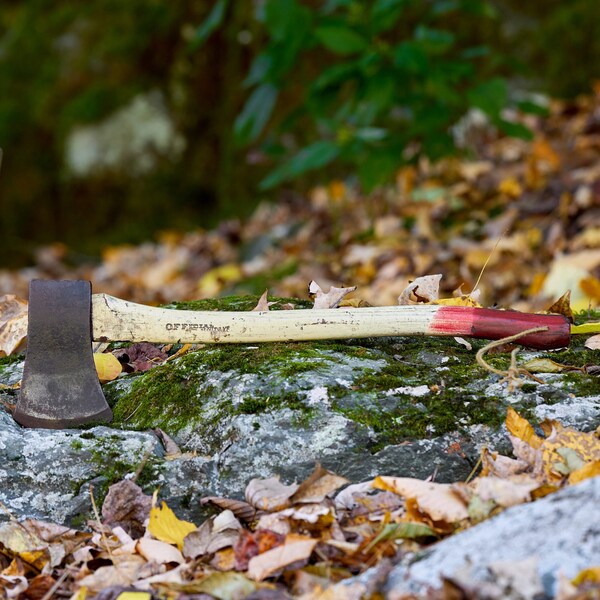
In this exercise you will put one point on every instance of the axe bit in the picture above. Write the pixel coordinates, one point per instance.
(60, 386)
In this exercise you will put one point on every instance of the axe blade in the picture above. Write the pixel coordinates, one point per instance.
(60, 386)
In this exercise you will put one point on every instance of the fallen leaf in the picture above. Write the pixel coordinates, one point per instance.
(505, 492)
(108, 367)
(590, 286)
(425, 289)
(123, 573)
(126, 506)
(140, 356)
(567, 450)
(224, 586)
(464, 300)
(214, 534)
(251, 544)
(589, 575)
(510, 187)
(294, 549)
(590, 469)
(593, 343)
(331, 299)
(38, 588)
(563, 306)
(437, 500)
(172, 450)
(318, 485)
(269, 494)
(242, 510)
(522, 429)
(213, 281)
(158, 552)
(165, 526)
(263, 303)
(13, 323)
(547, 365)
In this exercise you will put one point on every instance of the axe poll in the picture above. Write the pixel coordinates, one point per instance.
(60, 386)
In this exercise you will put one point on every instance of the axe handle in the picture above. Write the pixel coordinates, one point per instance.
(114, 319)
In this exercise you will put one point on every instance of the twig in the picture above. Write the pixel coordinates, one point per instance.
(142, 464)
(100, 526)
(56, 585)
(513, 372)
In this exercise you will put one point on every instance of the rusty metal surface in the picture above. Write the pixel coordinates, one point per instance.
(60, 385)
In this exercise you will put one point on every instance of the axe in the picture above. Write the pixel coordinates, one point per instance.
(60, 386)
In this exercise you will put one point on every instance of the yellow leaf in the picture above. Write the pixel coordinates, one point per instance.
(510, 187)
(464, 300)
(81, 593)
(591, 575)
(134, 596)
(337, 190)
(166, 527)
(591, 469)
(212, 282)
(590, 286)
(108, 366)
(536, 285)
(521, 428)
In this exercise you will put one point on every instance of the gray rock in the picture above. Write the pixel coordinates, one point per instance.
(404, 406)
(561, 532)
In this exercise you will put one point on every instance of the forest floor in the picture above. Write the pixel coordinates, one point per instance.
(519, 221)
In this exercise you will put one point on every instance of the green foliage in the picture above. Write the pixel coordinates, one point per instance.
(365, 85)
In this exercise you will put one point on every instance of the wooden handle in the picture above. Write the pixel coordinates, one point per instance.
(117, 320)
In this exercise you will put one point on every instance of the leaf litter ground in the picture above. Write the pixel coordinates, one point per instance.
(537, 203)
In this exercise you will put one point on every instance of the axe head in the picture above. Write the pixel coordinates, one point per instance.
(60, 386)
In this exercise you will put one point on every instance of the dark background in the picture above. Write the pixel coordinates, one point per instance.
(69, 64)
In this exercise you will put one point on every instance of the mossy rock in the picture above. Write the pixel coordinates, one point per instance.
(408, 406)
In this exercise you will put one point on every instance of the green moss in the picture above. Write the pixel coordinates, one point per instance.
(173, 396)
(9, 360)
(448, 407)
(241, 303)
(112, 466)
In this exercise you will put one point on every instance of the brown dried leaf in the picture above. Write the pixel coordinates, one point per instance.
(547, 365)
(331, 299)
(126, 506)
(318, 485)
(437, 500)
(141, 356)
(39, 586)
(158, 552)
(505, 492)
(13, 323)
(251, 544)
(269, 494)
(242, 510)
(214, 534)
(172, 450)
(425, 289)
(294, 549)
(263, 303)
(593, 343)
(563, 306)
(501, 466)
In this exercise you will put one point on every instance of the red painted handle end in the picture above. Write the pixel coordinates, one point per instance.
(492, 324)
